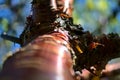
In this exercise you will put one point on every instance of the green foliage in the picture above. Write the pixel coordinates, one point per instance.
(12, 21)
(98, 16)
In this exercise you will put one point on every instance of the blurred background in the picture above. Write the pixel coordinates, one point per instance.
(96, 16)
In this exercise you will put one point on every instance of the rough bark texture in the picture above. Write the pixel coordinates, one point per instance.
(46, 53)
(53, 48)
(45, 58)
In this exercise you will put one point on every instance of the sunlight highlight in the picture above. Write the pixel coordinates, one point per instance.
(53, 4)
(66, 5)
(60, 63)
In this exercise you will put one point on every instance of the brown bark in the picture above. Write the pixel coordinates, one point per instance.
(47, 56)
(45, 10)
(50, 43)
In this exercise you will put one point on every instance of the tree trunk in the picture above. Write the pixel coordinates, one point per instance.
(45, 55)
(51, 42)
(45, 58)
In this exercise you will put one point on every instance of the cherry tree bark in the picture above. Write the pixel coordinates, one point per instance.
(46, 54)
(54, 48)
